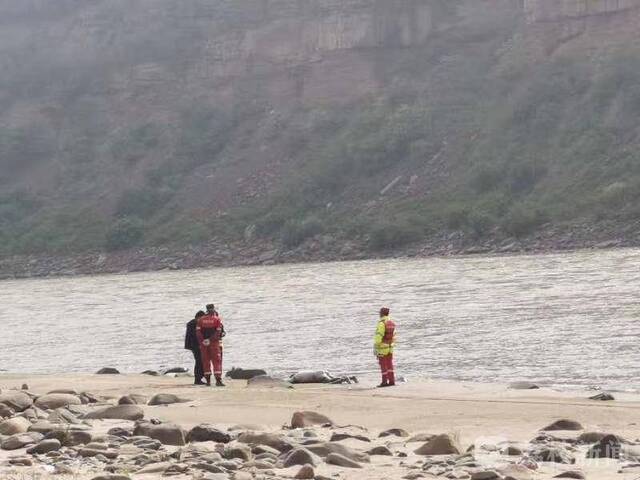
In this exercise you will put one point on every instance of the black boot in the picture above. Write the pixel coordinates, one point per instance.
(208, 379)
(219, 382)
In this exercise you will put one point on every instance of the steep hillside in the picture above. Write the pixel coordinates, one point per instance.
(345, 127)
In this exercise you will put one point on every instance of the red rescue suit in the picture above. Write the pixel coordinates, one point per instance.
(384, 344)
(210, 331)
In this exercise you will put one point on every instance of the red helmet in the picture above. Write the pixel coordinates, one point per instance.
(384, 311)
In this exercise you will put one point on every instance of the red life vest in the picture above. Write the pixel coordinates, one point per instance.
(389, 331)
(211, 327)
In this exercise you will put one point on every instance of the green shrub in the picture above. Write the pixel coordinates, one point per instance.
(387, 236)
(143, 203)
(125, 233)
(523, 220)
(480, 223)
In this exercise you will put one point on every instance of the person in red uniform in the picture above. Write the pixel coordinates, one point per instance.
(210, 332)
(383, 346)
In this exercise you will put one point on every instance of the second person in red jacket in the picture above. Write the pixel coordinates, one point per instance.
(210, 332)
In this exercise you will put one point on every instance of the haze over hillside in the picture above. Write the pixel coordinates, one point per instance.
(306, 124)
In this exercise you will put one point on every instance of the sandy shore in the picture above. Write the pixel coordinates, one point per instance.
(474, 414)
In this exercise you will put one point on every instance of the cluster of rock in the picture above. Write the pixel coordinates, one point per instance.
(67, 432)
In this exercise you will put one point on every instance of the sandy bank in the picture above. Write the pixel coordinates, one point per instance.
(474, 414)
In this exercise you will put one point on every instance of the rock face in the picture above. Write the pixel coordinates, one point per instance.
(207, 433)
(309, 419)
(57, 400)
(166, 433)
(120, 412)
(439, 445)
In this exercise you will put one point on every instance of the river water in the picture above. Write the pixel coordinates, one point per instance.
(570, 319)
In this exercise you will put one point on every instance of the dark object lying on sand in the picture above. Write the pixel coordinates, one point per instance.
(320, 377)
(108, 371)
(242, 374)
(175, 370)
(603, 397)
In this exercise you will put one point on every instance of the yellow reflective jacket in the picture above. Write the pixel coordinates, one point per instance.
(385, 338)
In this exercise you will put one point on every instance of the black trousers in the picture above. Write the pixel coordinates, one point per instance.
(198, 371)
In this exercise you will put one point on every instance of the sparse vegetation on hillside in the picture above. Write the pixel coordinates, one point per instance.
(142, 144)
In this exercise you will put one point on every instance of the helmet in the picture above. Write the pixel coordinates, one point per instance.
(384, 311)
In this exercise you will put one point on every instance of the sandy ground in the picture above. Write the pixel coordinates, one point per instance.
(475, 413)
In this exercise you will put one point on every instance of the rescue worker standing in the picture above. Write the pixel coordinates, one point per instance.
(191, 343)
(210, 332)
(384, 342)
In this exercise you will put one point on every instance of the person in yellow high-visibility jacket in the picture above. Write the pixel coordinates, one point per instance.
(384, 343)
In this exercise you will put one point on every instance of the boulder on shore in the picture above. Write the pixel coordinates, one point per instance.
(439, 445)
(309, 419)
(14, 425)
(166, 433)
(52, 401)
(15, 400)
(341, 461)
(207, 433)
(166, 399)
(120, 412)
(301, 456)
(269, 439)
(563, 424)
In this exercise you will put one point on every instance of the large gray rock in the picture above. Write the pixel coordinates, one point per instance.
(341, 461)
(242, 374)
(120, 412)
(166, 399)
(20, 440)
(207, 433)
(301, 456)
(306, 473)
(17, 401)
(309, 419)
(45, 446)
(323, 449)
(166, 433)
(439, 445)
(133, 399)
(270, 439)
(14, 425)
(563, 424)
(5, 411)
(52, 401)
(524, 386)
(240, 451)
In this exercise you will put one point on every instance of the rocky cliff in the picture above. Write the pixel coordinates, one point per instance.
(305, 125)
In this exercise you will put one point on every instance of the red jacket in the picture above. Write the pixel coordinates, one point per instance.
(209, 327)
